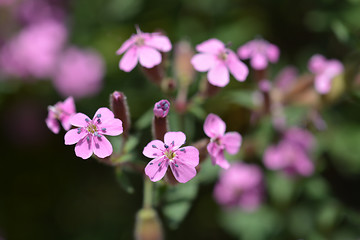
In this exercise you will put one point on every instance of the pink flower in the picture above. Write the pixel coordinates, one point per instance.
(144, 47)
(260, 52)
(61, 111)
(291, 154)
(218, 60)
(215, 128)
(241, 185)
(182, 161)
(34, 51)
(325, 71)
(161, 108)
(79, 73)
(88, 135)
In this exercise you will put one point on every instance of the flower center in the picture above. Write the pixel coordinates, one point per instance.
(170, 154)
(92, 128)
(140, 41)
(223, 55)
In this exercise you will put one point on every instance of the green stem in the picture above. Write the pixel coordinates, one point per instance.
(148, 193)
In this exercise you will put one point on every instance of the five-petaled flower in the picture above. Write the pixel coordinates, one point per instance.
(260, 52)
(218, 60)
(61, 111)
(144, 47)
(89, 134)
(325, 71)
(182, 161)
(215, 128)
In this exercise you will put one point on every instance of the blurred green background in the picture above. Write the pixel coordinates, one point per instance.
(46, 192)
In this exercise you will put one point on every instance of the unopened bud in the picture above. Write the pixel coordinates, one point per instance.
(207, 89)
(160, 123)
(148, 225)
(161, 108)
(184, 70)
(120, 109)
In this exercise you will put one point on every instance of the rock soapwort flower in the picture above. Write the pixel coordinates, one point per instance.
(218, 60)
(260, 52)
(215, 128)
(143, 47)
(182, 161)
(89, 134)
(61, 111)
(240, 186)
(325, 71)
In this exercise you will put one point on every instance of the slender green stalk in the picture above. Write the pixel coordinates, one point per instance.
(148, 193)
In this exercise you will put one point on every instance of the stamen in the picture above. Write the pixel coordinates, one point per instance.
(159, 164)
(166, 106)
(103, 129)
(79, 130)
(99, 115)
(154, 146)
(172, 143)
(87, 120)
(151, 163)
(98, 121)
(176, 165)
(183, 150)
(88, 138)
(166, 146)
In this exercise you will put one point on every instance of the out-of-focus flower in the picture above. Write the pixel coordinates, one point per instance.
(32, 11)
(291, 154)
(89, 134)
(6, 2)
(286, 78)
(161, 108)
(218, 60)
(325, 71)
(260, 52)
(34, 51)
(143, 47)
(61, 111)
(215, 128)
(240, 186)
(79, 73)
(182, 161)
(182, 64)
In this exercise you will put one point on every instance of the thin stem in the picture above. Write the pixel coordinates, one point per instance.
(148, 193)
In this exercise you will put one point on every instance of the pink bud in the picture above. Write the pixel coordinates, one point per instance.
(161, 108)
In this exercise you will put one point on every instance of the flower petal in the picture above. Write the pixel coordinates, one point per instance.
(129, 60)
(232, 142)
(78, 120)
(156, 169)
(303, 165)
(323, 83)
(183, 172)
(52, 123)
(74, 135)
(159, 42)
(211, 46)
(317, 63)
(245, 51)
(68, 107)
(258, 61)
(188, 155)
(237, 68)
(272, 52)
(174, 139)
(154, 149)
(213, 150)
(84, 148)
(125, 46)
(102, 147)
(214, 126)
(219, 75)
(202, 62)
(105, 114)
(149, 57)
(112, 127)
(221, 161)
(65, 122)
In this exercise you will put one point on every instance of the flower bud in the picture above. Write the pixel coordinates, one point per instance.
(148, 225)
(120, 109)
(184, 70)
(160, 124)
(155, 74)
(161, 108)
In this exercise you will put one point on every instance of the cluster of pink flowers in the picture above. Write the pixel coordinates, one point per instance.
(240, 186)
(291, 154)
(325, 71)
(39, 51)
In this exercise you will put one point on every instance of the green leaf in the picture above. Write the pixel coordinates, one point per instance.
(177, 202)
(242, 97)
(131, 143)
(281, 188)
(145, 120)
